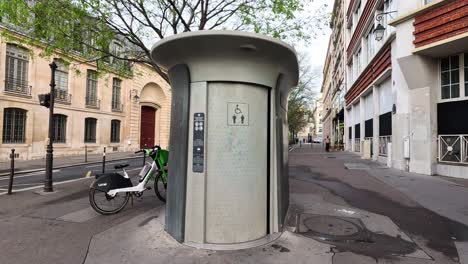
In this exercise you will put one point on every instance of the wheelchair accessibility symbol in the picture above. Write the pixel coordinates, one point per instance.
(238, 114)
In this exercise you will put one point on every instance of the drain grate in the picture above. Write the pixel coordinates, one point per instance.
(331, 227)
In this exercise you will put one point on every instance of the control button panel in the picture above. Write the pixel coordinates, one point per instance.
(198, 142)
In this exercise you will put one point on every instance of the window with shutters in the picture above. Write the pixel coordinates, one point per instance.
(60, 128)
(16, 69)
(115, 131)
(91, 89)
(116, 92)
(61, 82)
(14, 125)
(90, 130)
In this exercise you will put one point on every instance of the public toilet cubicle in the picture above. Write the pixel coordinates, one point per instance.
(228, 177)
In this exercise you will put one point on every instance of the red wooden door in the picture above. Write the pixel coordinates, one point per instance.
(147, 128)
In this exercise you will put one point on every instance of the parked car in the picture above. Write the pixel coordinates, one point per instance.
(318, 140)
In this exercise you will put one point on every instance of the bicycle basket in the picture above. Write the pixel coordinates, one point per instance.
(163, 156)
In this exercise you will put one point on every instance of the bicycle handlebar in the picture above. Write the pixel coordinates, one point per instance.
(154, 147)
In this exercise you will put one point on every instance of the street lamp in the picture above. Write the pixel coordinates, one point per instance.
(47, 100)
(380, 29)
(135, 96)
(379, 32)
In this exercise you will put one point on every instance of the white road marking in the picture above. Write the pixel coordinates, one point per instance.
(21, 184)
(41, 186)
(27, 175)
(111, 163)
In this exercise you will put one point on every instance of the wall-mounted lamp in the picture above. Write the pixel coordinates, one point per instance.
(134, 95)
(380, 29)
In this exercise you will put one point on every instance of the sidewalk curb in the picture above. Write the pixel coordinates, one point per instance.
(66, 166)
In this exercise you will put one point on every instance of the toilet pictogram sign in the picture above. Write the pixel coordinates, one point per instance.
(237, 114)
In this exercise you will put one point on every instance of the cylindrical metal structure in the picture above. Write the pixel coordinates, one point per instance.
(227, 185)
(49, 155)
(12, 171)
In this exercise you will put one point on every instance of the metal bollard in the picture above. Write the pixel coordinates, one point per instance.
(104, 161)
(144, 156)
(85, 153)
(12, 171)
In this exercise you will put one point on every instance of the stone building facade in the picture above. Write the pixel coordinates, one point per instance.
(92, 110)
(334, 85)
(407, 83)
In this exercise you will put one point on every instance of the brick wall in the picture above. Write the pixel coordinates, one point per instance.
(350, 7)
(442, 22)
(376, 67)
(357, 34)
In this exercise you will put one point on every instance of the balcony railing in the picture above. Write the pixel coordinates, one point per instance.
(117, 107)
(357, 145)
(17, 86)
(383, 145)
(453, 149)
(62, 96)
(92, 102)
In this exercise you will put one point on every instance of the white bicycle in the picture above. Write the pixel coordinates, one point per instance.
(110, 192)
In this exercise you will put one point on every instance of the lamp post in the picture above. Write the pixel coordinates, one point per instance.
(49, 156)
(380, 29)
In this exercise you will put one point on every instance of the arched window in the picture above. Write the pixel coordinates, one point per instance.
(90, 130)
(115, 131)
(14, 125)
(16, 69)
(60, 128)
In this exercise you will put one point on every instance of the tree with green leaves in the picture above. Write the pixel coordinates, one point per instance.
(126, 29)
(302, 97)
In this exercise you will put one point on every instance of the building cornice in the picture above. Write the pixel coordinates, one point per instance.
(439, 43)
(419, 11)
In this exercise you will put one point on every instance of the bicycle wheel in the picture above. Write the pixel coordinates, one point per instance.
(106, 205)
(160, 187)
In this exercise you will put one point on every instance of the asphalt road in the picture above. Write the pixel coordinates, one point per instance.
(30, 180)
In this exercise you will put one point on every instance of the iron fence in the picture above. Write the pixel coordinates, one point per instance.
(357, 145)
(93, 102)
(62, 96)
(17, 86)
(453, 149)
(383, 145)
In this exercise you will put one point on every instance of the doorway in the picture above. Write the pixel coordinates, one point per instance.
(238, 169)
(147, 126)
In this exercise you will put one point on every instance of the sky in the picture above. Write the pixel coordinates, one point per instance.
(317, 48)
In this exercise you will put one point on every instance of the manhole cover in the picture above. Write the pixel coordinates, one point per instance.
(330, 227)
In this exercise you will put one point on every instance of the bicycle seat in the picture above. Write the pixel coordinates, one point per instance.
(121, 166)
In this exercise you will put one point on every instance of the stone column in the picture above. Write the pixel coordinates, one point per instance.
(362, 121)
(376, 124)
(353, 132)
